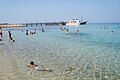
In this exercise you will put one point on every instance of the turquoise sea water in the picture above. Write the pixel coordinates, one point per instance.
(93, 54)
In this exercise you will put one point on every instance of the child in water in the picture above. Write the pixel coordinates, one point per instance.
(112, 32)
(75, 33)
(34, 66)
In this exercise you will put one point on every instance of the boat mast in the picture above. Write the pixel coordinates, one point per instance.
(81, 18)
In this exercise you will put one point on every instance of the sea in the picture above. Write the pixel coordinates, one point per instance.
(92, 54)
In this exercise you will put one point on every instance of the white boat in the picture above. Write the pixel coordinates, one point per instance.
(73, 22)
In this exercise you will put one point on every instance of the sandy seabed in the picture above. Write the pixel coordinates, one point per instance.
(69, 61)
(9, 69)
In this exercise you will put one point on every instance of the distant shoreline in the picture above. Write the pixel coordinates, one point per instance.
(11, 25)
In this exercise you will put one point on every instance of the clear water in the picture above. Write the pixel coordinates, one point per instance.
(93, 54)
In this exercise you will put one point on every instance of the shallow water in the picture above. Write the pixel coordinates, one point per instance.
(93, 54)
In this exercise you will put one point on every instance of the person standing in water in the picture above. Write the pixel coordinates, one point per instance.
(67, 31)
(0, 38)
(26, 32)
(43, 30)
(0, 32)
(34, 31)
(75, 33)
(10, 36)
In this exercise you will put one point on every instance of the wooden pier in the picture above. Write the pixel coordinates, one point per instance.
(6, 25)
(44, 24)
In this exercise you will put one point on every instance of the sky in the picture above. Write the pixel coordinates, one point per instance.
(93, 11)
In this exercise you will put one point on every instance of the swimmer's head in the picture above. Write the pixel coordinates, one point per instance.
(13, 40)
(32, 63)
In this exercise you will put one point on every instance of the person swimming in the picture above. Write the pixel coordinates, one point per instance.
(77, 31)
(112, 32)
(36, 67)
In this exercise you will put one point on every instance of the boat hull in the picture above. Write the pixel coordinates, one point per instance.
(83, 23)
